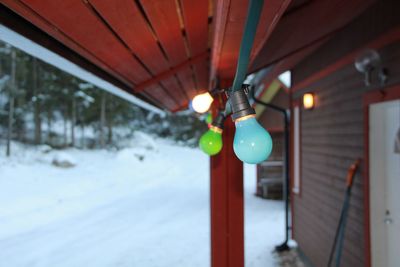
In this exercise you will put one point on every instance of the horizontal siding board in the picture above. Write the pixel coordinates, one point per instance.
(319, 235)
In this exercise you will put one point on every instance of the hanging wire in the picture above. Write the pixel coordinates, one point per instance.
(253, 17)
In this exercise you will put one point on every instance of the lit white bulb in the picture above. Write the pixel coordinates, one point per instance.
(201, 103)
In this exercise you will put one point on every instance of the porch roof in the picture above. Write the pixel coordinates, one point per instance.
(168, 51)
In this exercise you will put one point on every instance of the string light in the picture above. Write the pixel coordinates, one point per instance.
(252, 143)
(201, 103)
(211, 142)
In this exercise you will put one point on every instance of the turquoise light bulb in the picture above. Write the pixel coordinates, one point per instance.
(252, 143)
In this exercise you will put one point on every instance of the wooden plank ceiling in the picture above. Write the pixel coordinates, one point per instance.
(134, 40)
(170, 50)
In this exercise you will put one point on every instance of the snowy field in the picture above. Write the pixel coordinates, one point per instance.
(144, 206)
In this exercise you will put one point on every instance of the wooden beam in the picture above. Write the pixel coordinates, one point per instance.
(221, 10)
(263, 37)
(289, 62)
(227, 207)
(391, 36)
(306, 25)
(227, 211)
(166, 74)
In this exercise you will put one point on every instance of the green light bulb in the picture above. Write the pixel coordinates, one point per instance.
(211, 142)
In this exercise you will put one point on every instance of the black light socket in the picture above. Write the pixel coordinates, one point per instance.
(219, 120)
(240, 104)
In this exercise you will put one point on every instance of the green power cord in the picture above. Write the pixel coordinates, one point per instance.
(253, 17)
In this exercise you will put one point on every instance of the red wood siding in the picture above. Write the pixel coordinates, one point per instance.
(227, 207)
(333, 137)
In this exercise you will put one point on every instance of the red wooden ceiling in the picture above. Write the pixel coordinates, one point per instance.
(135, 41)
(160, 48)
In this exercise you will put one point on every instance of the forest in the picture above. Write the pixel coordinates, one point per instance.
(43, 105)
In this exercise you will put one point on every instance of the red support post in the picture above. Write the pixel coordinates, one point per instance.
(227, 211)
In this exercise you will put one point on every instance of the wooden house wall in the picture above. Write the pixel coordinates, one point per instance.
(271, 119)
(332, 136)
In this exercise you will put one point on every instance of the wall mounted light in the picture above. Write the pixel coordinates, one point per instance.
(308, 101)
(369, 61)
(201, 103)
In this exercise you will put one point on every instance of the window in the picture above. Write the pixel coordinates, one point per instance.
(296, 150)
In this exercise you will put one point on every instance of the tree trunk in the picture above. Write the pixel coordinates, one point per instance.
(36, 105)
(49, 126)
(11, 101)
(73, 120)
(65, 128)
(110, 123)
(49, 116)
(102, 118)
(83, 135)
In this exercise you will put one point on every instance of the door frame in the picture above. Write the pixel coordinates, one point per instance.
(372, 97)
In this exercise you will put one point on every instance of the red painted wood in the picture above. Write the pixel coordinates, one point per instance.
(195, 15)
(176, 69)
(391, 36)
(229, 30)
(306, 25)
(273, 11)
(40, 22)
(227, 212)
(78, 22)
(124, 16)
(376, 96)
(163, 16)
(174, 89)
(126, 20)
(291, 60)
(185, 75)
(105, 37)
(202, 74)
(156, 92)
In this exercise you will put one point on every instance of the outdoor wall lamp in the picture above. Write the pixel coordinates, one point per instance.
(368, 61)
(211, 142)
(308, 100)
(252, 143)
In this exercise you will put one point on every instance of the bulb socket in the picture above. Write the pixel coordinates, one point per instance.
(219, 120)
(240, 104)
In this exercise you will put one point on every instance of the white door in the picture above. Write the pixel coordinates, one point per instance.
(384, 169)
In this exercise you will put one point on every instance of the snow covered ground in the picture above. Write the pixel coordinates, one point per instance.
(146, 206)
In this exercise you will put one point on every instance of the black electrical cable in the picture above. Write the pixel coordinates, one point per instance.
(284, 246)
